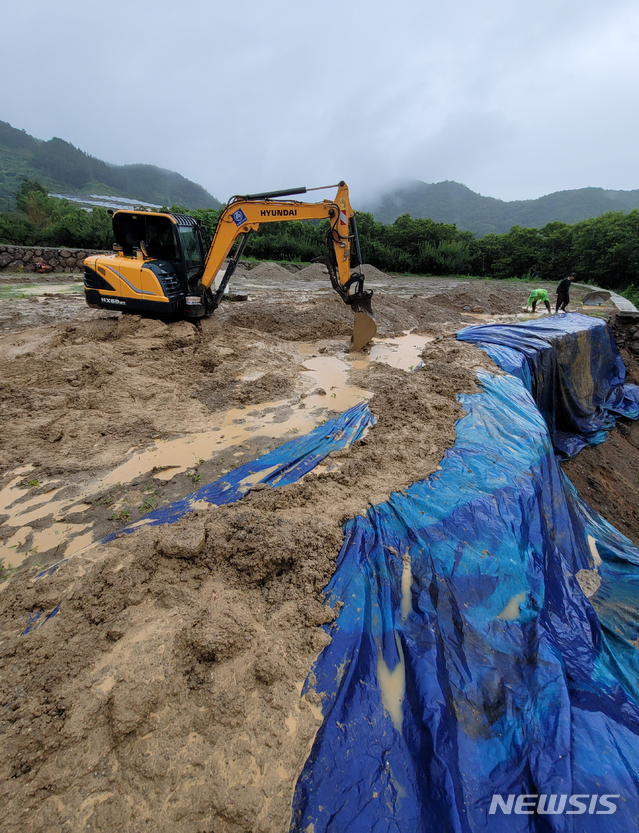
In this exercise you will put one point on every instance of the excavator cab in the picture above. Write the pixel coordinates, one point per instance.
(169, 237)
(156, 255)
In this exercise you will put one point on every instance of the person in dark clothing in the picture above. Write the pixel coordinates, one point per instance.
(563, 293)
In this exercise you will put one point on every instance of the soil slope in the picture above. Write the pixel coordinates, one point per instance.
(154, 682)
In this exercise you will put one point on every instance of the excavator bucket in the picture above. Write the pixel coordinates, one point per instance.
(364, 329)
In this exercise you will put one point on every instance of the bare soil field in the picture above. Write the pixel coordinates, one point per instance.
(153, 683)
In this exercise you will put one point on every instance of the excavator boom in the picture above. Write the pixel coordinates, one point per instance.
(245, 214)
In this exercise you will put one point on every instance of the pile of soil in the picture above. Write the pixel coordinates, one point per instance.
(270, 272)
(373, 274)
(160, 684)
(326, 316)
(154, 682)
(468, 299)
(606, 478)
(112, 383)
(314, 272)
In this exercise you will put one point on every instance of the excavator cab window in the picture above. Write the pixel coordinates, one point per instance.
(152, 233)
(192, 248)
(161, 239)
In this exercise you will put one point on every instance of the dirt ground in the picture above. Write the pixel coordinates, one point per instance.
(154, 682)
(607, 475)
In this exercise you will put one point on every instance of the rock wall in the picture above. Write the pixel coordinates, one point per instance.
(27, 258)
(625, 331)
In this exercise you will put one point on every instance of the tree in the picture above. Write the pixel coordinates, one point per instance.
(606, 249)
(557, 251)
(28, 188)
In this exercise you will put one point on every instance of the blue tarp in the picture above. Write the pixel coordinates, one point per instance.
(573, 369)
(544, 702)
(279, 467)
(467, 662)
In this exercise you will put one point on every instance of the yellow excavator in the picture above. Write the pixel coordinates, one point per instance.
(160, 265)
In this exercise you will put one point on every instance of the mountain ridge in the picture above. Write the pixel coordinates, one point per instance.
(452, 202)
(61, 167)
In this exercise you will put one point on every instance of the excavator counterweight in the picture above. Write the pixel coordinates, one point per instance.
(160, 265)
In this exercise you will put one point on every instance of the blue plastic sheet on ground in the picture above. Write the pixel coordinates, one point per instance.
(467, 662)
(573, 369)
(280, 467)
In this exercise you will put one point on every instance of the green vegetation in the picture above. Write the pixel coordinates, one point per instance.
(5, 572)
(632, 294)
(30, 290)
(111, 497)
(602, 250)
(41, 220)
(62, 168)
(149, 505)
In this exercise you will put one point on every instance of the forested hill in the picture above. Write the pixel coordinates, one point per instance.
(61, 167)
(450, 202)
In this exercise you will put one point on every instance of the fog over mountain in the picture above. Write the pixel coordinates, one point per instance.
(516, 100)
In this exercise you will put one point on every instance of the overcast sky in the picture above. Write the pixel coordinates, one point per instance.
(513, 98)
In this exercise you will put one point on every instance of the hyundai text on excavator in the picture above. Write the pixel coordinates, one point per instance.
(161, 266)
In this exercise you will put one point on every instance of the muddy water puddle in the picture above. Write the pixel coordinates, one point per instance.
(35, 524)
(403, 353)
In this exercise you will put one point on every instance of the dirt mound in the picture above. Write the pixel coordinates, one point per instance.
(395, 315)
(162, 686)
(220, 393)
(475, 296)
(371, 273)
(606, 477)
(325, 317)
(270, 271)
(316, 271)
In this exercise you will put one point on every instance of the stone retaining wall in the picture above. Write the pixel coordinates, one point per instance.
(26, 258)
(625, 331)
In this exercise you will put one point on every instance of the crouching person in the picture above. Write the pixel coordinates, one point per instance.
(538, 295)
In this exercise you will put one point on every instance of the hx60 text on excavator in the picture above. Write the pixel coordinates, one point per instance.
(161, 266)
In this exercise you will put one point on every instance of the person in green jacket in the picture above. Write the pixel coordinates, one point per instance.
(538, 295)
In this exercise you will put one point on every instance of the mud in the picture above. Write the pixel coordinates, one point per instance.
(154, 682)
(607, 475)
